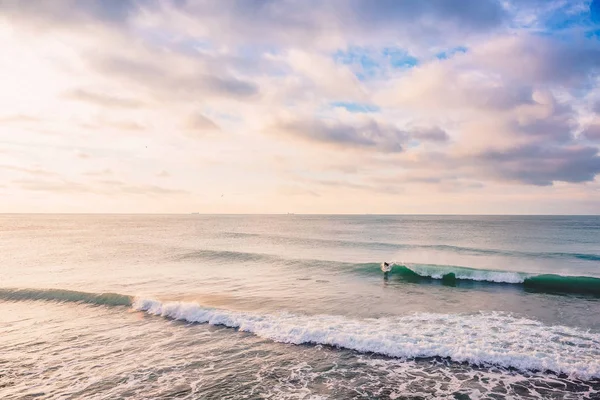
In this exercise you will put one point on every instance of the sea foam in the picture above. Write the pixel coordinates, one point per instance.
(490, 339)
(438, 272)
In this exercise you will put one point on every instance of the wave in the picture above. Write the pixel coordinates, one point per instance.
(71, 296)
(487, 339)
(447, 274)
(549, 283)
(228, 256)
(405, 246)
(484, 339)
(564, 284)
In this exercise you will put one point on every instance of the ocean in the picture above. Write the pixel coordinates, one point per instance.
(297, 307)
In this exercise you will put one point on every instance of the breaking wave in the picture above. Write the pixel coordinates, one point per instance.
(447, 274)
(549, 283)
(491, 339)
(487, 339)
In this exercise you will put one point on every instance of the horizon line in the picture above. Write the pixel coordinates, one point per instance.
(302, 214)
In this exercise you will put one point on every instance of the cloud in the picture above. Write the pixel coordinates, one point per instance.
(69, 12)
(543, 166)
(592, 132)
(388, 189)
(128, 126)
(31, 171)
(321, 184)
(452, 85)
(541, 159)
(538, 59)
(102, 173)
(19, 118)
(359, 133)
(431, 134)
(509, 122)
(108, 186)
(188, 82)
(368, 134)
(498, 75)
(290, 190)
(440, 181)
(199, 123)
(470, 15)
(102, 187)
(297, 23)
(102, 124)
(101, 99)
(557, 127)
(60, 187)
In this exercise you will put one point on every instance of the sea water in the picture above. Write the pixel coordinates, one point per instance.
(297, 307)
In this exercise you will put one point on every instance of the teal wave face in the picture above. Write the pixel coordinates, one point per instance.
(108, 299)
(588, 257)
(459, 276)
(563, 284)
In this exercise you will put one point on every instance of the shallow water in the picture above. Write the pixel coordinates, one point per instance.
(297, 307)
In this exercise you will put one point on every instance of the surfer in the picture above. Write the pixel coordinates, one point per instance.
(386, 267)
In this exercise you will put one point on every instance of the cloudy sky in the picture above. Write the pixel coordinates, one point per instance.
(305, 106)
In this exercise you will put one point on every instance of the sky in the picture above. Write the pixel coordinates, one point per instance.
(301, 106)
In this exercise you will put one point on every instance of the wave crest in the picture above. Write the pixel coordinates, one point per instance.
(489, 339)
(484, 339)
(545, 283)
(439, 272)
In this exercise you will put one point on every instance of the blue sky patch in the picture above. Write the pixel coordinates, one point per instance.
(449, 53)
(372, 63)
(564, 18)
(593, 34)
(357, 107)
(398, 58)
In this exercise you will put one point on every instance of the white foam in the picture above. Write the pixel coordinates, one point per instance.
(484, 338)
(437, 272)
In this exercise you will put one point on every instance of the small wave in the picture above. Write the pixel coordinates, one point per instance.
(588, 257)
(107, 299)
(306, 241)
(512, 253)
(229, 256)
(491, 339)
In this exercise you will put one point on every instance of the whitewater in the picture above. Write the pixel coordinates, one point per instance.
(488, 339)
